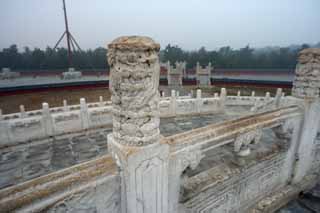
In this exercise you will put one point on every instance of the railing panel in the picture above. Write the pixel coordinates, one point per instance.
(91, 186)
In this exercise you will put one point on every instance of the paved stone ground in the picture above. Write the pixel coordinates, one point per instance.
(171, 126)
(25, 162)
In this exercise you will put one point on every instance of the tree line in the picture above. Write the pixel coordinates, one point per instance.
(225, 57)
(246, 57)
(51, 58)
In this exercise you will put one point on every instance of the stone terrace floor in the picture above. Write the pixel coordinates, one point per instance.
(171, 126)
(85, 147)
(28, 161)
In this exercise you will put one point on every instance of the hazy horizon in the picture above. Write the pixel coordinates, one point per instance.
(190, 25)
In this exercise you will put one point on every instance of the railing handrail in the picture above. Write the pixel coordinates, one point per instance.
(22, 195)
(229, 129)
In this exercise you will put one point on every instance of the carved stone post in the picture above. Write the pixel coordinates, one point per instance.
(306, 86)
(173, 103)
(198, 101)
(223, 98)
(101, 104)
(65, 106)
(22, 111)
(135, 140)
(47, 119)
(278, 97)
(267, 96)
(84, 114)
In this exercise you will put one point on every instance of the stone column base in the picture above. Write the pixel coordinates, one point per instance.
(144, 174)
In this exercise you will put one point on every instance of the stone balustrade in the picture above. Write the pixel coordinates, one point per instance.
(47, 123)
(223, 131)
(31, 125)
(186, 150)
(247, 164)
(164, 102)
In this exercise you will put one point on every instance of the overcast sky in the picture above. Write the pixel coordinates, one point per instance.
(187, 23)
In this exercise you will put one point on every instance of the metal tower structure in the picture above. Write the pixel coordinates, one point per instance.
(71, 41)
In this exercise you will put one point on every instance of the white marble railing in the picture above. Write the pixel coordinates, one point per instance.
(37, 124)
(189, 148)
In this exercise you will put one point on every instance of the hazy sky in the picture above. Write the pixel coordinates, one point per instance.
(188, 23)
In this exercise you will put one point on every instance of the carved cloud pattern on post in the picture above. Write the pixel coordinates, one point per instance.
(307, 78)
(134, 76)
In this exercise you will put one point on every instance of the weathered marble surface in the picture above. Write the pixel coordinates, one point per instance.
(25, 162)
(307, 78)
(134, 76)
(135, 140)
(221, 176)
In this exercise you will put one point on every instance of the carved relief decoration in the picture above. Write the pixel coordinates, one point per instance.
(243, 140)
(307, 78)
(190, 158)
(134, 65)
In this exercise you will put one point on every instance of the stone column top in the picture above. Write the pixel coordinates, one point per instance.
(309, 55)
(134, 81)
(307, 74)
(134, 42)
